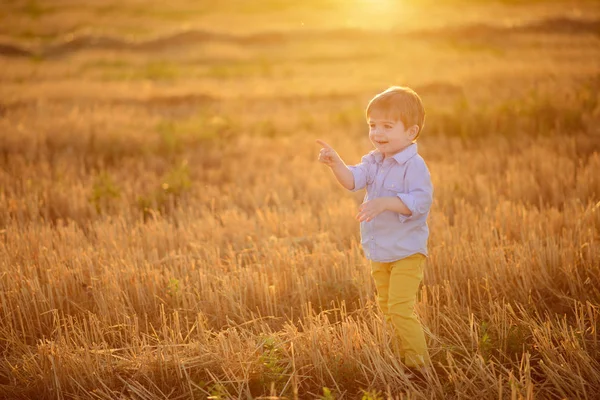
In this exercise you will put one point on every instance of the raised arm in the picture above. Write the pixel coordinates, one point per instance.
(342, 173)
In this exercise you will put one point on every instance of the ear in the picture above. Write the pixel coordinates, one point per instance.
(413, 131)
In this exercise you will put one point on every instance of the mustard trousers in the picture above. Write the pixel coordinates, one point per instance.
(397, 284)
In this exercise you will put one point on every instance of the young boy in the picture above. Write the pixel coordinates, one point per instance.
(393, 215)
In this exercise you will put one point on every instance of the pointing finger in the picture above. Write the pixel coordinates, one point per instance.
(322, 143)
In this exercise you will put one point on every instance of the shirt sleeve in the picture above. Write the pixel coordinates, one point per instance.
(362, 172)
(420, 190)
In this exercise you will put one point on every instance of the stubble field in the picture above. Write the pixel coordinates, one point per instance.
(167, 233)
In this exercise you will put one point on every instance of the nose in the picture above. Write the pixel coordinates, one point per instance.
(376, 134)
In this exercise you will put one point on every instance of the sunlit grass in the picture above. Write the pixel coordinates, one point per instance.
(166, 230)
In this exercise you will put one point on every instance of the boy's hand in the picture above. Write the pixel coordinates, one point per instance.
(328, 155)
(372, 208)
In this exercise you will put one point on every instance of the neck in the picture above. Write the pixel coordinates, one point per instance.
(388, 155)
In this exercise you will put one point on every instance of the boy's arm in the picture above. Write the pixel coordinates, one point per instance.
(407, 205)
(420, 192)
(396, 205)
(372, 208)
(342, 173)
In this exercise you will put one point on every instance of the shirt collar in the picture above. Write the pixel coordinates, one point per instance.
(401, 157)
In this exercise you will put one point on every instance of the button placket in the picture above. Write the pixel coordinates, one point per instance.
(382, 175)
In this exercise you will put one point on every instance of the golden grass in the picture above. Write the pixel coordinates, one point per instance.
(166, 231)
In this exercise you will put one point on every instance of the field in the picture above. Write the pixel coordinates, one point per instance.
(166, 231)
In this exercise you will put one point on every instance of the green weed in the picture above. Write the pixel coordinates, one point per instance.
(104, 190)
(485, 341)
(200, 129)
(173, 185)
(272, 361)
(327, 394)
(371, 395)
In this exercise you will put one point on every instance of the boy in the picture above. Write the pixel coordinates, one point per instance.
(393, 215)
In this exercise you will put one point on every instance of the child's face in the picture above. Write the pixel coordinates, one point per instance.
(389, 136)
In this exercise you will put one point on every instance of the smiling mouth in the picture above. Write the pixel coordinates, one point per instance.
(378, 142)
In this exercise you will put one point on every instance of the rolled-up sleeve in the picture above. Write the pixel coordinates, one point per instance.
(362, 172)
(420, 190)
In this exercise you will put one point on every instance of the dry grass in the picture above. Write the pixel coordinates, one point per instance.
(166, 231)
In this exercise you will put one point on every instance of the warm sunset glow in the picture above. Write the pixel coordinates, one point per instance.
(373, 14)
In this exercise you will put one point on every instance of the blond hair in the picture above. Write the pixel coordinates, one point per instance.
(399, 103)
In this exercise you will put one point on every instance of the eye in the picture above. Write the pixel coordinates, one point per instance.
(372, 126)
(388, 126)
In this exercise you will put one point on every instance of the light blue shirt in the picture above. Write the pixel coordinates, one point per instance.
(391, 236)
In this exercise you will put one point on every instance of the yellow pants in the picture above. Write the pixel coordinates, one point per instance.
(397, 284)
